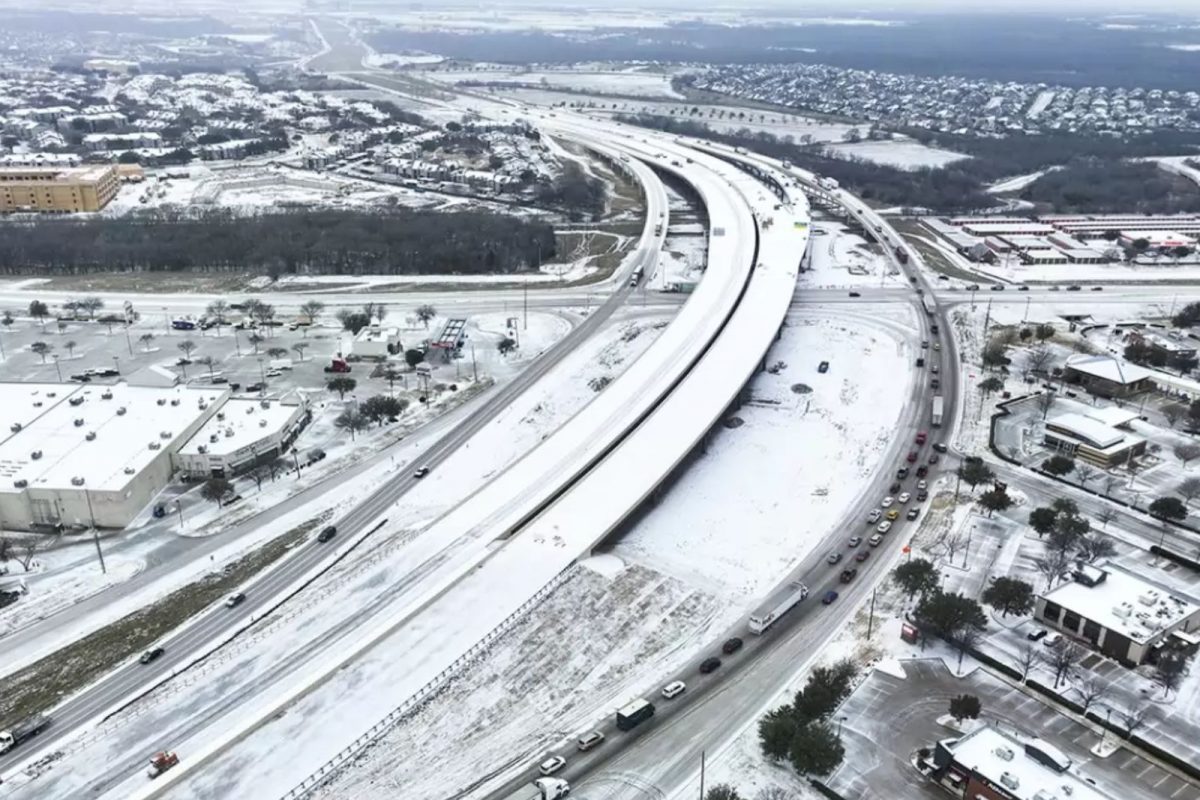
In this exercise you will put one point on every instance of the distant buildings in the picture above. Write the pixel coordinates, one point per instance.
(1125, 616)
(57, 190)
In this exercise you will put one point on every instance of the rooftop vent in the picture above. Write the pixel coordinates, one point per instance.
(106, 396)
(156, 446)
(175, 401)
(51, 394)
(91, 436)
(262, 423)
(212, 437)
(76, 401)
(37, 404)
(121, 411)
(202, 449)
(228, 432)
(35, 455)
(1009, 780)
(161, 401)
(130, 470)
(79, 422)
(1005, 753)
(249, 409)
(15, 427)
(20, 483)
(220, 415)
(77, 481)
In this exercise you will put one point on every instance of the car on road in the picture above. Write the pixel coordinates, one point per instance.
(1035, 635)
(922, 485)
(935, 369)
(934, 383)
(674, 689)
(875, 540)
(933, 457)
(1053, 640)
(893, 513)
(922, 437)
(234, 599)
(997, 287)
(855, 294)
(884, 526)
(940, 447)
(710, 664)
(937, 345)
(420, 472)
(973, 287)
(886, 502)
(922, 496)
(874, 516)
(904, 497)
(589, 740)
(731, 646)
(834, 557)
(255, 387)
(943, 277)
(1074, 287)
(829, 597)
(1022, 288)
(913, 455)
(1097, 288)
(152, 654)
(895, 487)
(924, 344)
(848, 575)
(854, 541)
(823, 367)
(552, 765)
(902, 473)
(327, 533)
(912, 514)
(922, 471)
(862, 555)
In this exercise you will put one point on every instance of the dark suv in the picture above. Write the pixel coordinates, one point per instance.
(732, 646)
(328, 533)
(709, 665)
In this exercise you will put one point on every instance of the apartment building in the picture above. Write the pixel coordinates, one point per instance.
(57, 190)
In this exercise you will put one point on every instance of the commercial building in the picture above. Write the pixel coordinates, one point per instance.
(1166, 346)
(1091, 439)
(1125, 616)
(1157, 239)
(375, 341)
(989, 764)
(242, 434)
(76, 455)
(1106, 376)
(57, 190)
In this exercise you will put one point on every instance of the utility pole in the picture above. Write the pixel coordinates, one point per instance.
(871, 617)
(987, 319)
(701, 775)
(179, 508)
(95, 533)
(474, 366)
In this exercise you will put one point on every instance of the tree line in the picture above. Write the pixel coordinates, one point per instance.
(317, 241)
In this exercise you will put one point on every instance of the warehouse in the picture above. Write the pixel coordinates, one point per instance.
(241, 435)
(74, 456)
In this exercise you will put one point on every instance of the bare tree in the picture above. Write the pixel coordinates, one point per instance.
(1038, 357)
(1132, 718)
(775, 793)
(1111, 482)
(1045, 401)
(1107, 514)
(1173, 412)
(21, 550)
(299, 348)
(1094, 548)
(1188, 489)
(1054, 567)
(1085, 472)
(1062, 658)
(1091, 689)
(1028, 656)
(1187, 451)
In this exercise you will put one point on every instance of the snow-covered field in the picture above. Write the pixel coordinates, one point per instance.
(902, 154)
(839, 257)
(629, 81)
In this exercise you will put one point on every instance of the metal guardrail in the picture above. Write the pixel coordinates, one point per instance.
(426, 693)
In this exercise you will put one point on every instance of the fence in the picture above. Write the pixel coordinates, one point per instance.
(422, 695)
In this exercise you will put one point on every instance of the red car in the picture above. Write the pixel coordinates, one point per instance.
(922, 437)
(862, 556)
(912, 457)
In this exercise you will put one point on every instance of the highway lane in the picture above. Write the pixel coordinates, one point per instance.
(217, 624)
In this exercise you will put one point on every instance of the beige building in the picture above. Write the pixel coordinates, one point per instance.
(57, 190)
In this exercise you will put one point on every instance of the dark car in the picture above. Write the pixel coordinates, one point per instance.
(974, 287)
(922, 496)
(710, 664)
(1034, 636)
(922, 471)
(327, 533)
(862, 555)
(1073, 288)
(829, 597)
(941, 447)
(997, 287)
(732, 646)
(150, 655)
(894, 488)
(855, 294)
(1097, 288)
(256, 387)
(912, 456)
(848, 575)
(823, 367)
(1022, 288)
(901, 473)
(235, 386)
(421, 472)
(933, 457)
(913, 513)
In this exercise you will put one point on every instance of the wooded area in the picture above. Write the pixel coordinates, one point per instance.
(393, 241)
(1095, 186)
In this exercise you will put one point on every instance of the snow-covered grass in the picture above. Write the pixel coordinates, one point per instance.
(904, 154)
(840, 257)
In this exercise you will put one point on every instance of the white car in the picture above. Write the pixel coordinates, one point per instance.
(874, 516)
(887, 502)
(922, 486)
(674, 689)
(904, 497)
(552, 765)
(884, 526)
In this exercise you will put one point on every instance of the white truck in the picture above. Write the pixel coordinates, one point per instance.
(767, 616)
(22, 731)
(937, 411)
(551, 789)
(828, 183)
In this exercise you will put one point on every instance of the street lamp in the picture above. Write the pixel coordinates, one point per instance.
(58, 369)
(179, 508)
(117, 364)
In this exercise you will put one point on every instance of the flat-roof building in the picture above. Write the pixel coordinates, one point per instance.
(242, 434)
(1125, 616)
(57, 190)
(376, 341)
(1107, 376)
(73, 455)
(1092, 440)
(990, 764)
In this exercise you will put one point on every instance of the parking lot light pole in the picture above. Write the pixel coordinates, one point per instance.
(296, 460)
(95, 533)
(179, 508)
(58, 369)
(128, 341)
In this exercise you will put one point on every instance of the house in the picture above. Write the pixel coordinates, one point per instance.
(1107, 376)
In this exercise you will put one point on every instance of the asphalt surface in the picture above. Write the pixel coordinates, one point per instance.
(662, 753)
(218, 623)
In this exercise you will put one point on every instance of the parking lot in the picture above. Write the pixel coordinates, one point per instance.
(889, 718)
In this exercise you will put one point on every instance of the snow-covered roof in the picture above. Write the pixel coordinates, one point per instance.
(1121, 601)
(1108, 368)
(1023, 768)
(1092, 431)
(240, 423)
(1113, 416)
(129, 427)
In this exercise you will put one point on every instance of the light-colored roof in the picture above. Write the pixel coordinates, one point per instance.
(1107, 367)
(1003, 760)
(1126, 603)
(1111, 415)
(240, 423)
(123, 438)
(1092, 431)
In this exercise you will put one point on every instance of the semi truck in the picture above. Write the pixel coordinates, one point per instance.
(23, 732)
(337, 364)
(551, 789)
(634, 714)
(927, 304)
(828, 183)
(937, 411)
(901, 254)
(635, 277)
(766, 616)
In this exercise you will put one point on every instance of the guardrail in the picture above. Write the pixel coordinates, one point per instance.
(422, 695)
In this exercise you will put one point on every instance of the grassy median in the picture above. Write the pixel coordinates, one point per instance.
(47, 682)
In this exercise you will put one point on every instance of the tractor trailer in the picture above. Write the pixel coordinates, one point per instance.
(937, 412)
(23, 731)
(766, 616)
